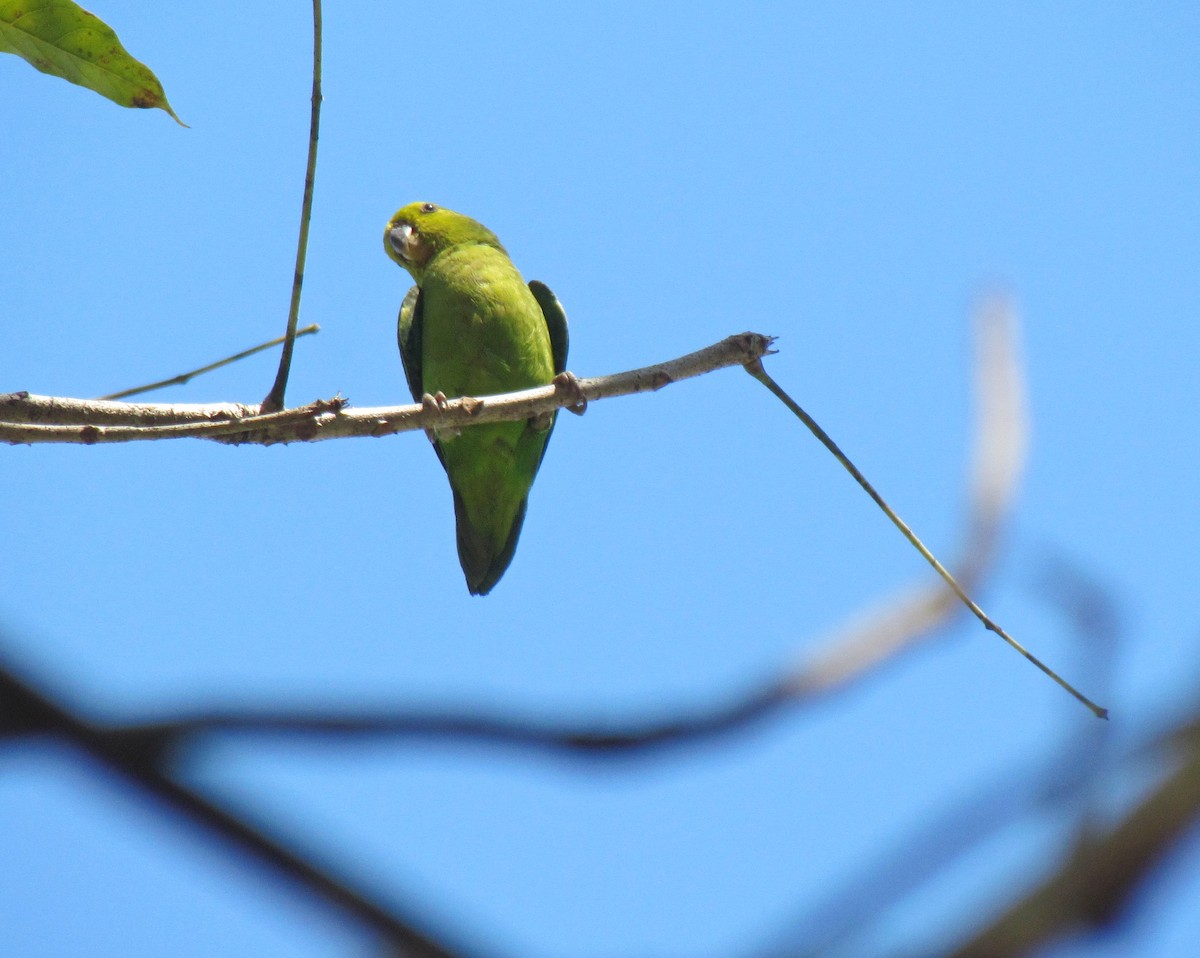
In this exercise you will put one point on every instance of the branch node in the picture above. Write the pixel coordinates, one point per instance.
(334, 405)
(755, 368)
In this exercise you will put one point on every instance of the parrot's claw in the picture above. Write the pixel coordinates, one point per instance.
(567, 382)
(438, 401)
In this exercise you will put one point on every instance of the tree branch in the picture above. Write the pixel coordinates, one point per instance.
(25, 418)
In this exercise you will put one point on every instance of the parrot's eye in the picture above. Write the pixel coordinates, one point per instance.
(428, 208)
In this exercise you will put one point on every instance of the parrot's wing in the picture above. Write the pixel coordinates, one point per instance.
(556, 323)
(408, 330)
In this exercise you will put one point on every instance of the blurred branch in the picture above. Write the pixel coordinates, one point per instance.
(1090, 610)
(922, 855)
(997, 461)
(170, 735)
(1093, 887)
(1099, 881)
(25, 418)
(855, 651)
(1070, 774)
(189, 376)
(22, 707)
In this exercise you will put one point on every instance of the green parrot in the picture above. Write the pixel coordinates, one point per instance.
(472, 327)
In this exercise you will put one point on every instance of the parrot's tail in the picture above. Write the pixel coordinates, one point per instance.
(481, 563)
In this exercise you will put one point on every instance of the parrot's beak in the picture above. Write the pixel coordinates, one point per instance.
(400, 239)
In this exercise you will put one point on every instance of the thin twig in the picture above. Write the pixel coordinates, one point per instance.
(188, 376)
(756, 370)
(274, 399)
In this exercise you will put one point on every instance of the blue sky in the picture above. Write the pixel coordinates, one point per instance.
(850, 178)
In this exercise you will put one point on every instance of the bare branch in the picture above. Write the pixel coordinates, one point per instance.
(25, 418)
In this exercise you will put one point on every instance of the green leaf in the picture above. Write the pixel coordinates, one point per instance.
(61, 38)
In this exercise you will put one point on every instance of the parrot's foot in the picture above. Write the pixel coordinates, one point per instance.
(566, 382)
(435, 400)
(438, 401)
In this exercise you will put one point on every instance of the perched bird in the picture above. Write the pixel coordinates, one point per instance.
(472, 327)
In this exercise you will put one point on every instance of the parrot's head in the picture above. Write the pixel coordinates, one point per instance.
(419, 231)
